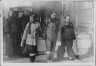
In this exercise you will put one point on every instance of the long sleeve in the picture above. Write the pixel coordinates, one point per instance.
(25, 32)
(61, 25)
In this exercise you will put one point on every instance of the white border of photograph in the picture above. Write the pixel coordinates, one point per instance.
(43, 64)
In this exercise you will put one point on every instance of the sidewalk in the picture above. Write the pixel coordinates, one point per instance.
(26, 60)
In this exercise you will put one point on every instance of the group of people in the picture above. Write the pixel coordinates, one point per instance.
(67, 35)
(15, 28)
(54, 31)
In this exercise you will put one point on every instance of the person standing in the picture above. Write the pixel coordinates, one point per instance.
(51, 32)
(29, 37)
(67, 33)
(19, 33)
(12, 34)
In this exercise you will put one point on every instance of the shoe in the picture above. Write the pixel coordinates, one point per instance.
(71, 59)
(77, 56)
(49, 61)
(32, 58)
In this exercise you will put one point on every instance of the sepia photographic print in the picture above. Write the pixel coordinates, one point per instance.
(48, 31)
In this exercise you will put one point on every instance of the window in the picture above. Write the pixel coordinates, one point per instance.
(86, 5)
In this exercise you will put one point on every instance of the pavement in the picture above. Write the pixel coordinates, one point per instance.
(43, 57)
(85, 57)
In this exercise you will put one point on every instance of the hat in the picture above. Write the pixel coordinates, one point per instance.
(53, 13)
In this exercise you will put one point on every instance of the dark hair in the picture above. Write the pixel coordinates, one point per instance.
(66, 16)
(32, 15)
(52, 12)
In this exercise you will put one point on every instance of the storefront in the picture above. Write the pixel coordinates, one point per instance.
(81, 15)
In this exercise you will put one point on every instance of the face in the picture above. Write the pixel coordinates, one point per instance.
(31, 19)
(20, 14)
(67, 19)
(53, 15)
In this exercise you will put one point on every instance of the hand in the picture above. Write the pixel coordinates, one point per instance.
(21, 44)
(76, 33)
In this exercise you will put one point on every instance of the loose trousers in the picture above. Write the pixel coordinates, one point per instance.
(51, 42)
(61, 49)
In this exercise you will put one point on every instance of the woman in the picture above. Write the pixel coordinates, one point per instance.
(29, 37)
(51, 32)
(67, 37)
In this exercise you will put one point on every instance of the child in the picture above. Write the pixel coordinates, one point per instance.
(29, 36)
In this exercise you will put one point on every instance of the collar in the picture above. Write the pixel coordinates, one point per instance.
(53, 20)
(33, 22)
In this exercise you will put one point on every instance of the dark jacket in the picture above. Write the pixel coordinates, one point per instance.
(67, 32)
